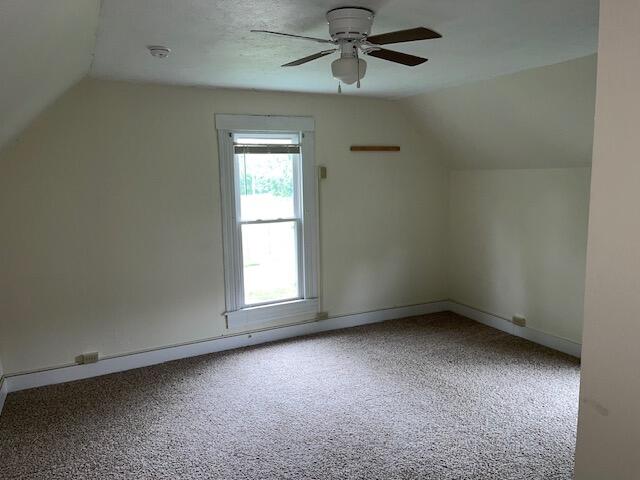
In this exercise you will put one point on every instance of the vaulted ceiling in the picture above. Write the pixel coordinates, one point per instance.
(212, 45)
(537, 118)
(46, 45)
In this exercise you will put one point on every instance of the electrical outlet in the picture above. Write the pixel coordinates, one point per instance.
(322, 170)
(519, 320)
(90, 357)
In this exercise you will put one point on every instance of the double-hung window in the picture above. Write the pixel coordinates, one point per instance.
(268, 185)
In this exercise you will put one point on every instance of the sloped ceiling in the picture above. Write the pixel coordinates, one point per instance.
(537, 118)
(45, 47)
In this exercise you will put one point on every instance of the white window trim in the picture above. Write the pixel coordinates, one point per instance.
(257, 123)
(292, 311)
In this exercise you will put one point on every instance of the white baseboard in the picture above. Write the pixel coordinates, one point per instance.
(3, 392)
(546, 339)
(15, 383)
(105, 366)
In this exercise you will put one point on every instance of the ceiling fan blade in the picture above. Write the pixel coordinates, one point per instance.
(300, 61)
(397, 57)
(313, 39)
(400, 36)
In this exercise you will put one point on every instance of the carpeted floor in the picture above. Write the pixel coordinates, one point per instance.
(435, 397)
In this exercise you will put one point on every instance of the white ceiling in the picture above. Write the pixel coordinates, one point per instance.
(212, 45)
(45, 47)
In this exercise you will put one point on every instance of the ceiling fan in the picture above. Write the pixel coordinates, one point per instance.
(349, 29)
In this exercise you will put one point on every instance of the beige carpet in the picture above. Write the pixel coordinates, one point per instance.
(434, 397)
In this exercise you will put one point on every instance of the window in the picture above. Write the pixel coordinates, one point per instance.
(268, 187)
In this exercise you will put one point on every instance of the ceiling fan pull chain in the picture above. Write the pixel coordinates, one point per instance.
(358, 66)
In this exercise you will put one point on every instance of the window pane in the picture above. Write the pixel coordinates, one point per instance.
(270, 262)
(266, 185)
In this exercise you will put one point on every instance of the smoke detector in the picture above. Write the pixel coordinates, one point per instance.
(159, 51)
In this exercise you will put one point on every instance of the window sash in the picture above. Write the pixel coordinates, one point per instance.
(297, 189)
(299, 255)
(297, 218)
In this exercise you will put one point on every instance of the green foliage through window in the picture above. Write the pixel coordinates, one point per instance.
(274, 177)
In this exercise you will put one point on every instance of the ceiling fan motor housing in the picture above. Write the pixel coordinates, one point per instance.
(350, 23)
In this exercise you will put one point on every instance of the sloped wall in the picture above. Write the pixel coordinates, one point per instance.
(537, 118)
(47, 46)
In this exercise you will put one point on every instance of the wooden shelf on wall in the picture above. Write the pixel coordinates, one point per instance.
(375, 148)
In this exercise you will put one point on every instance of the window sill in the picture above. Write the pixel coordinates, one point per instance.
(301, 310)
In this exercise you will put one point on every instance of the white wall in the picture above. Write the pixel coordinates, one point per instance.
(110, 214)
(111, 206)
(518, 223)
(537, 118)
(609, 422)
(517, 244)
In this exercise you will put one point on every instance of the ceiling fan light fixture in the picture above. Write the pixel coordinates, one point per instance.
(347, 70)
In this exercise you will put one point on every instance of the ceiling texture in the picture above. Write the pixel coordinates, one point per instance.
(212, 46)
(46, 46)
